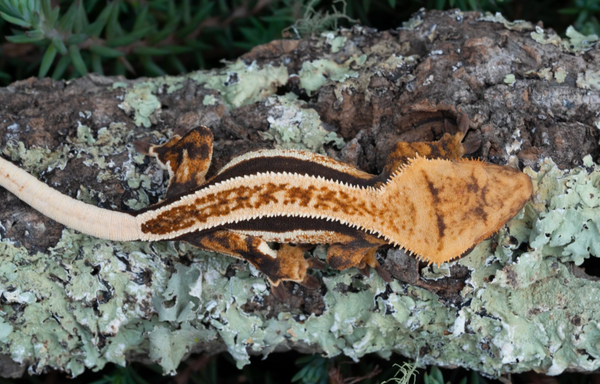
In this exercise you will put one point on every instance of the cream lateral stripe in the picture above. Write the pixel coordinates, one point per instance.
(300, 155)
(72, 213)
(295, 236)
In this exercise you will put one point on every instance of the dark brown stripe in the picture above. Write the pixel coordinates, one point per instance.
(436, 202)
(280, 224)
(283, 224)
(288, 164)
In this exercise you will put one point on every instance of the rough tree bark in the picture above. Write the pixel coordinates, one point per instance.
(519, 301)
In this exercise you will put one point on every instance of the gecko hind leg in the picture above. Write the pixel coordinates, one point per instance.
(371, 262)
(358, 253)
(313, 262)
(285, 264)
(187, 158)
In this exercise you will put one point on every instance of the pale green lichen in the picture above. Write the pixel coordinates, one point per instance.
(169, 344)
(237, 83)
(543, 74)
(365, 67)
(315, 74)
(589, 80)
(91, 301)
(36, 160)
(575, 42)
(398, 61)
(240, 84)
(141, 101)
(509, 79)
(336, 42)
(413, 22)
(292, 126)
(109, 140)
(543, 313)
(435, 272)
(517, 25)
(540, 36)
(209, 100)
(560, 75)
(88, 302)
(89, 306)
(568, 228)
(406, 374)
(578, 42)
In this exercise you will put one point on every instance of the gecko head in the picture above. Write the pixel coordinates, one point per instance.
(447, 207)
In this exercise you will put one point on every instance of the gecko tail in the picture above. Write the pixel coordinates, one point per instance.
(72, 213)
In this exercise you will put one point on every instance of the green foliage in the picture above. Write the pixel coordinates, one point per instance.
(136, 38)
(314, 370)
(434, 376)
(121, 375)
(315, 20)
(407, 373)
(586, 13)
(158, 37)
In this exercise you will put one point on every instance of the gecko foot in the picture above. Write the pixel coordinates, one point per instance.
(310, 282)
(142, 147)
(385, 275)
(280, 292)
(314, 263)
(471, 146)
(366, 271)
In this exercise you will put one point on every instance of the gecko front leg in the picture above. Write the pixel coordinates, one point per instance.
(448, 147)
(187, 159)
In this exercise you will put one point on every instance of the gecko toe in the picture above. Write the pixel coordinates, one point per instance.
(310, 282)
(142, 147)
(463, 123)
(280, 291)
(471, 146)
(366, 271)
(314, 263)
(385, 275)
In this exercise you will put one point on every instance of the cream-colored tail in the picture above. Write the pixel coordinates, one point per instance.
(85, 218)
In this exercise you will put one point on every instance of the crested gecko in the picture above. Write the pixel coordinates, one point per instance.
(427, 200)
